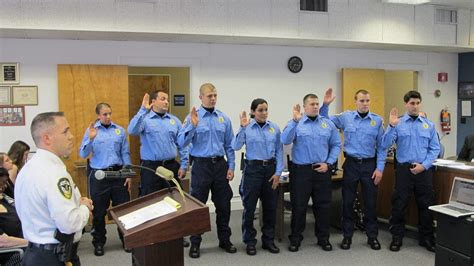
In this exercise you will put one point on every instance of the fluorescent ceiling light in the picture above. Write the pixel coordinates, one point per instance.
(409, 2)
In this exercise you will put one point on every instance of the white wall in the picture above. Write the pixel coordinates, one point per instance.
(355, 20)
(240, 73)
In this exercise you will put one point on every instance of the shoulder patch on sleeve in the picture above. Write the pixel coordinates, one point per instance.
(65, 187)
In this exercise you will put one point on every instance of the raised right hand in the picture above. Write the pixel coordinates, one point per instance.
(244, 120)
(92, 131)
(194, 117)
(146, 101)
(328, 97)
(394, 120)
(297, 112)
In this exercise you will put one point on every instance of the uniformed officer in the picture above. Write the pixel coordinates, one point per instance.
(46, 196)
(316, 146)
(365, 162)
(210, 133)
(106, 144)
(417, 148)
(158, 131)
(261, 175)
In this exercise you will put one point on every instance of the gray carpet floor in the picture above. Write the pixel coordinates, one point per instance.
(309, 254)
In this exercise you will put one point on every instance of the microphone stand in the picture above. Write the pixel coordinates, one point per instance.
(154, 172)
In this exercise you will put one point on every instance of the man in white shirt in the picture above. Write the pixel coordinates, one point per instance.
(47, 199)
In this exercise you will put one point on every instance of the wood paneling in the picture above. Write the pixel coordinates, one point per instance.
(80, 89)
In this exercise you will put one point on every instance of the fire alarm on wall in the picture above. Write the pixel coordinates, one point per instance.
(442, 77)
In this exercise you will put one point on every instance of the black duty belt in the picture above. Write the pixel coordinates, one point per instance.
(49, 247)
(311, 165)
(163, 162)
(360, 160)
(261, 162)
(208, 159)
(110, 168)
(409, 165)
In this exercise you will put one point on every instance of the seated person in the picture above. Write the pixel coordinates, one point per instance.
(12, 170)
(467, 150)
(18, 153)
(10, 227)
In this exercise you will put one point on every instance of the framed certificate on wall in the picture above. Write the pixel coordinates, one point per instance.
(5, 95)
(25, 95)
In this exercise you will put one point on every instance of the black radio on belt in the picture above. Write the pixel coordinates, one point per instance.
(64, 250)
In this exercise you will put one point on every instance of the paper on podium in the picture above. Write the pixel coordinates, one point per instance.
(150, 212)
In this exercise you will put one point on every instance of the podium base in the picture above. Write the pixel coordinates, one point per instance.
(165, 253)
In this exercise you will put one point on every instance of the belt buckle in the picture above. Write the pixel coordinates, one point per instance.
(360, 160)
(265, 162)
(213, 159)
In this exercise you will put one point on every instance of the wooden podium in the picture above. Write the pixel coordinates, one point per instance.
(160, 241)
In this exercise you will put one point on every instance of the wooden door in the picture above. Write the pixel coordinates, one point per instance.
(80, 89)
(372, 80)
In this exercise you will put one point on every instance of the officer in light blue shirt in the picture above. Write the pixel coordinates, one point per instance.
(417, 148)
(209, 131)
(106, 144)
(316, 146)
(365, 162)
(158, 131)
(261, 175)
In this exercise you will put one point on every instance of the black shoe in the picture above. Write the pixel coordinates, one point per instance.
(271, 247)
(429, 244)
(325, 245)
(185, 243)
(293, 247)
(228, 247)
(346, 243)
(373, 243)
(395, 244)
(251, 250)
(194, 251)
(99, 249)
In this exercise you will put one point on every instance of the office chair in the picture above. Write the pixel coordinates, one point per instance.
(15, 249)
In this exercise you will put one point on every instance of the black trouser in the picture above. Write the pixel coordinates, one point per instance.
(150, 182)
(355, 172)
(38, 256)
(405, 184)
(255, 185)
(306, 183)
(211, 174)
(102, 193)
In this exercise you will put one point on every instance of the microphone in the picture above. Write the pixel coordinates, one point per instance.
(120, 174)
(164, 173)
(169, 176)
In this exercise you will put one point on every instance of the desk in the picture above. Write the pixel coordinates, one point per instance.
(442, 182)
(454, 241)
(283, 187)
